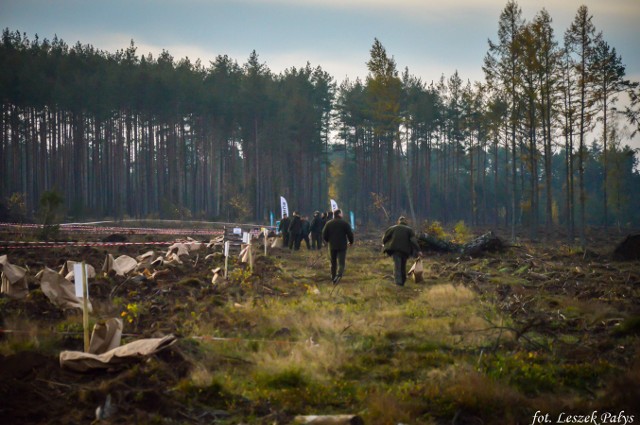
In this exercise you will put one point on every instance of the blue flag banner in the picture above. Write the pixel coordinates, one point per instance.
(353, 220)
(271, 218)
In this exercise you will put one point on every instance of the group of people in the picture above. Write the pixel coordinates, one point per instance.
(296, 229)
(399, 241)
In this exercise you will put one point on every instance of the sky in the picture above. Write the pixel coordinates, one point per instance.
(430, 38)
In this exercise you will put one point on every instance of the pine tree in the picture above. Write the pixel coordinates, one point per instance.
(501, 67)
(581, 39)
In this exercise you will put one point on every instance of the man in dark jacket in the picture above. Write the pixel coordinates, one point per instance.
(400, 242)
(295, 231)
(306, 229)
(338, 234)
(316, 230)
(283, 228)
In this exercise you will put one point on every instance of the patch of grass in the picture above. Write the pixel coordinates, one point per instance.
(288, 378)
(293, 390)
(460, 391)
(527, 371)
(448, 297)
(384, 407)
(584, 376)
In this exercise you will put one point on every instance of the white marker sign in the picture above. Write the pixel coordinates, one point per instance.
(77, 274)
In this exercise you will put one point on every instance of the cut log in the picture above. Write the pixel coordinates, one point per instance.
(485, 243)
(430, 243)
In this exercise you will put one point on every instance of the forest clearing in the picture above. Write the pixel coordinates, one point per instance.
(530, 315)
(504, 337)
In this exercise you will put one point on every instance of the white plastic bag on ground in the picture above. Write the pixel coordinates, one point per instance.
(218, 276)
(121, 265)
(60, 291)
(178, 249)
(129, 353)
(277, 243)
(67, 270)
(106, 336)
(14, 282)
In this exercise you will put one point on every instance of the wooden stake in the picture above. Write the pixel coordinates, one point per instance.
(265, 241)
(250, 256)
(85, 308)
(226, 258)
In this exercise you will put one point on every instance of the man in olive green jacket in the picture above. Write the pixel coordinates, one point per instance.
(400, 242)
(337, 233)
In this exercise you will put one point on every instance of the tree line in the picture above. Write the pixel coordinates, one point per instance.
(122, 135)
(538, 143)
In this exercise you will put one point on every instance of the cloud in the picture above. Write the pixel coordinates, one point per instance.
(454, 7)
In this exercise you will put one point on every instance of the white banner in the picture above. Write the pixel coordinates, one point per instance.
(334, 205)
(284, 207)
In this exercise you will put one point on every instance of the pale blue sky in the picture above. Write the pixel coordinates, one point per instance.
(431, 38)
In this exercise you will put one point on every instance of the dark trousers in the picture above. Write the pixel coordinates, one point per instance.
(400, 268)
(294, 241)
(316, 240)
(338, 258)
(285, 239)
(305, 238)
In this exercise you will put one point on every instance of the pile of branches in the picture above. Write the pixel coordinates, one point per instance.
(488, 242)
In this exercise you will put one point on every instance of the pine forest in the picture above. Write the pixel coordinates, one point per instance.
(542, 142)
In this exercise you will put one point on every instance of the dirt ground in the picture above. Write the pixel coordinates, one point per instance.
(585, 304)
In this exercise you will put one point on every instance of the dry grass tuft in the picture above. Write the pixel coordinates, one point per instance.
(447, 297)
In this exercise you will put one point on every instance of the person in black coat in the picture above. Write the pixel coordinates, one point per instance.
(317, 224)
(306, 229)
(295, 231)
(283, 228)
(338, 234)
(400, 242)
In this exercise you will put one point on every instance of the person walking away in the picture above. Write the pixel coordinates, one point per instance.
(283, 228)
(295, 231)
(400, 243)
(338, 235)
(306, 229)
(316, 230)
